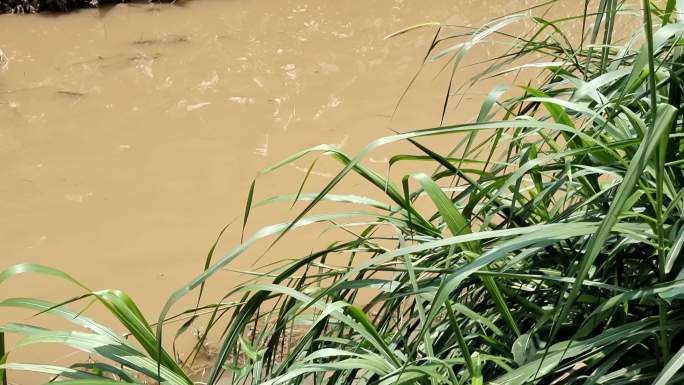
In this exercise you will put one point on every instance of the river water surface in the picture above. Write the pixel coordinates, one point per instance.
(130, 135)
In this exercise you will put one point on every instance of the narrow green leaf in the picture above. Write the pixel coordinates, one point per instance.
(675, 251)
(665, 117)
(671, 368)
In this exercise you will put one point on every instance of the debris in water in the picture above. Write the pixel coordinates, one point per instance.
(168, 82)
(277, 113)
(78, 198)
(263, 148)
(278, 102)
(71, 93)
(290, 71)
(342, 142)
(312, 25)
(4, 61)
(373, 160)
(290, 118)
(42, 239)
(193, 107)
(344, 35)
(332, 103)
(317, 173)
(163, 40)
(242, 100)
(209, 83)
(258, 82)
(139, 57)
(328, 68)
(146, 67)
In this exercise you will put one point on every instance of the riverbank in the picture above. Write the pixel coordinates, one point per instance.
(36, 6)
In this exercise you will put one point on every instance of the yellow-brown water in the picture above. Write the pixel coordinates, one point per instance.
(129, 135)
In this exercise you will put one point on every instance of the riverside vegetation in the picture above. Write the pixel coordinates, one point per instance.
(34, 6)
(552, 254)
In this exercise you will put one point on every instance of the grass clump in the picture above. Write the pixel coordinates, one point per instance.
(551, 254)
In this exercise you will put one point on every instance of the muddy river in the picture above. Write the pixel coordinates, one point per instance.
(130, 135)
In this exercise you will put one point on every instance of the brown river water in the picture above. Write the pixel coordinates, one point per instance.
(129, 135)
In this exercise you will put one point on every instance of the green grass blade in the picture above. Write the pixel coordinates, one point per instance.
(597, 241)
(671, 368)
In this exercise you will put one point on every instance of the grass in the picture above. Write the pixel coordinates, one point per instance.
(552, 252)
